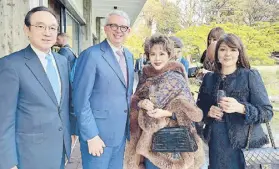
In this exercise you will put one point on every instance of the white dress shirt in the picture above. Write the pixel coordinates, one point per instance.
(114, 49)
(42, 57)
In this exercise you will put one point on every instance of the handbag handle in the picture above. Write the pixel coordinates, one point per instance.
(269, 134)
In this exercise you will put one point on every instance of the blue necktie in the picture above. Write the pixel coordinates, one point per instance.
(53, 77)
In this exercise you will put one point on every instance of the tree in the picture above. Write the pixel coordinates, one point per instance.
(191, 12)
(241, 11)
(260, 10)
(165, 14)
(259, 40)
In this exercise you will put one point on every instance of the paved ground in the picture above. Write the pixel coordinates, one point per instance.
(75, 161)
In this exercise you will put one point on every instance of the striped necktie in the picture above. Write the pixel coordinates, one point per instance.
(122, 63)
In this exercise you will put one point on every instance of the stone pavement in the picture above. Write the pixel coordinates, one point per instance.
(75, 161)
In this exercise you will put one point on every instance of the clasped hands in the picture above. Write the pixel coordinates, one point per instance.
(226, 105)
(155, 113)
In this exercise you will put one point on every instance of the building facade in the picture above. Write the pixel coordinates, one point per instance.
(82, 20)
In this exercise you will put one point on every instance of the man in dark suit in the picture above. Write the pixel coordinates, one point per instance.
(65, 49)
(103, 86)
(140, 62)
(34, 100)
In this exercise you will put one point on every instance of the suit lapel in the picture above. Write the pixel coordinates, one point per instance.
(35, 66)
(110, 58)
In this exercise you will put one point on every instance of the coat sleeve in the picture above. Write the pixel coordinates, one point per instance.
(64, 52)
(84, 79)
(204, 101)
(9, 90)
(185, 110)
(259, 109)
(73, 118)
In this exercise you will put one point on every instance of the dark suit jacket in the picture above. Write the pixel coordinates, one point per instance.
(34, 127)
(139, 64)
(71, 58)
(69, 54)
(247, 87)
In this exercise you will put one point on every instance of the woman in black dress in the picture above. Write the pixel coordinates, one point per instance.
(246, 103)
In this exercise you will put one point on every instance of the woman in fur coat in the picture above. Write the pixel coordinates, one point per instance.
(162, 99)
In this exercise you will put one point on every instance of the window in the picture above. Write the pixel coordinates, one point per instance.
(100, 23)
(72, 29)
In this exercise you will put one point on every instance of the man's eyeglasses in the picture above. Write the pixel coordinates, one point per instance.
(42, 28)
(115, 27)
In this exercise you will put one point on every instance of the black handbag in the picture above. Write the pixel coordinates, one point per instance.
(261, 156)
(174, 139)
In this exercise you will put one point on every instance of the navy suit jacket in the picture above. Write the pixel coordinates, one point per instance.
(139, 64)
(100, 96)
(33, 125)
(69, 54)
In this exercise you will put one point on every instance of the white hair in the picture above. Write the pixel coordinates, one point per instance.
(119, 13)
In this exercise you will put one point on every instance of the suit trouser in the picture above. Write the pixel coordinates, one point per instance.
(112, 158)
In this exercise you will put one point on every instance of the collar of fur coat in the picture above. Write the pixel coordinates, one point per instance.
(149, 70)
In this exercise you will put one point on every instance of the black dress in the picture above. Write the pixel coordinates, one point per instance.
(221, 153)
(226, 139)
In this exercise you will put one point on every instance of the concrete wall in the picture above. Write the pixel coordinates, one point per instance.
(12, 14)
(12, 37)
(86, 37)
(78, 4)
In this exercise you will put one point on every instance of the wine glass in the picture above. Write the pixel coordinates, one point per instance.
(220, 95)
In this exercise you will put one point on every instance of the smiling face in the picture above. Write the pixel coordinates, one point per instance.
(116, 37)
(42, 39)
(228, 56)
(158, 56)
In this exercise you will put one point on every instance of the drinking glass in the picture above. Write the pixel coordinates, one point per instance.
(220, 95)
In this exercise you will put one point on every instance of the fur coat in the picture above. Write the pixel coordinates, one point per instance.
(167, 89)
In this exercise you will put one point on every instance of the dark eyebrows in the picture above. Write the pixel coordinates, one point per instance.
(42, 23)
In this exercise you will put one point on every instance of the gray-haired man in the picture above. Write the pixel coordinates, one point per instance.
(103, 86)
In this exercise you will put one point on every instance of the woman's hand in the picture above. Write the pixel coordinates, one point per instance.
(231, 105)
(158, 113)
(146, 104)
(215, 112)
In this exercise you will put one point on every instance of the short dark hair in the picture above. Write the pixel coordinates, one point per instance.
(216, 33)
(27, 21)
(159, 39)
(232, 41)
